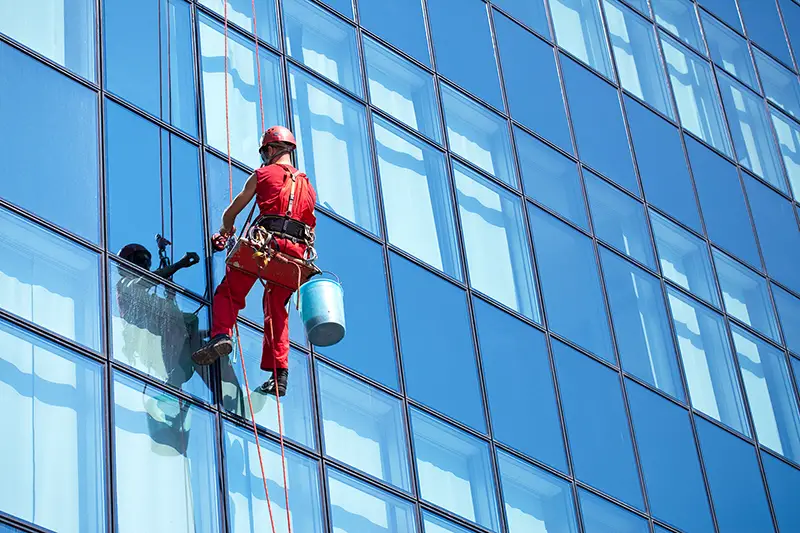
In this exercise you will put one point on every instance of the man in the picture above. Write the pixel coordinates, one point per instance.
(272, 185)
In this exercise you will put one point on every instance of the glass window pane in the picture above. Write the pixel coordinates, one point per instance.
(247, 503)
(454, 470)
(729, 50)
(363, 427)
(436, 524)
(535, 500)
(296, 412)
(323, 43)
(734, 479)
(243, 96)
(662, 165)
(570, 284)
(599, 127)
(725, 10)
(34, 94)
(619, 220)
(784, 483)
(437, 324)
(345, 7)
(721, 198)
(165, 462)
(506, 343)
(332, 148)
(579, 30)
(490, 214)
(636, 53)
(684, 259)
(53, 434)
(402, 89)
(602, 516)
(788, 133)
(597, 426)
(478, 134)
(49, 280)
(752, 135)
(789, 312)
(241, 12)
(532, 86)
(699, 107)
(763, 24)
(157, 74)
(641, 325)
(707, 361)
(770, 394)
(357, 507)
(669, 459)
(679, 17)
(462, 43)
(63, 32)
(531, 13)
(746, 296)
(551, 178)
(417, 198)
(400, 22)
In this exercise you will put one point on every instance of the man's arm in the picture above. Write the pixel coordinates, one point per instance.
(239, 203)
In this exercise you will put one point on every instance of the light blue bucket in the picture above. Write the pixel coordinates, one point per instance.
(322, 311)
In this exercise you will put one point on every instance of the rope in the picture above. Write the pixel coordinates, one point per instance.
(258, 73)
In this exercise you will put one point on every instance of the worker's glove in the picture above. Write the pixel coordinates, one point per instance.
(218, 242)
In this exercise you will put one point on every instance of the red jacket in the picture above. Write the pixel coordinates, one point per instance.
(273, 187)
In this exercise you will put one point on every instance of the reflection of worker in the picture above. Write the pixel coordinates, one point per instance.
(286, 201)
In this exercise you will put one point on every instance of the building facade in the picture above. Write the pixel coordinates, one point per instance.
(568, 236)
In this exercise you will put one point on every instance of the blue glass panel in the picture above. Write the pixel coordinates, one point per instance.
(332, 148)
(532, 87)
(633, 41)
(531, 13)
(454, 470)
(323, 43)
(435, 524)
(662, 165)
(723, 204)
(165, 460)
(478, 134)
(752, 135)
(37, 99)
(619, 220)
(63, 32)
(641, 325)
(535, 500)
(772, 398)
(778, 234)
(699, 107)
(402, 89)
(417, 198)
(357, 507)
(602, 516)
(551, 178)
(729, 50)
(49, 280)
(746, 295)
(788, 134)
(707, 361)
(345, 7)
(52, 453)
(490, 214)
(570, 284)
(599, 127)
(363, 427)
(400, 22)
(463, 46)
(437, 324)
(763, 26)
(241, 12)
(158, 73)
(597, 426)
(247, 502)
(791, 19)
(735, 480)
(789, 313)
(784, 484)
(507, 343)
(679, 18)
(669, 459)
(725, 10)
(579, 30)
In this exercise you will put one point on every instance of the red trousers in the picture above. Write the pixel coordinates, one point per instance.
(229, 299)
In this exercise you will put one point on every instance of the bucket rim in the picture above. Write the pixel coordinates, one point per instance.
(319, 278)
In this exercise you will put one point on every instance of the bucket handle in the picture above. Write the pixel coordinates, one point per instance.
(332, 274)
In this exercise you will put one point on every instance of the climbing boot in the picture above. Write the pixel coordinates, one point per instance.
(283, 382)
(220, 346)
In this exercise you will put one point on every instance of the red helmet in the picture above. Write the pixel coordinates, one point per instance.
(278, 135)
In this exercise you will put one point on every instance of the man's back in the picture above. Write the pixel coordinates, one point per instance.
(273, 189)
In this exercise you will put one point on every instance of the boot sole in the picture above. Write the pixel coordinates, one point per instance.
(208, 355)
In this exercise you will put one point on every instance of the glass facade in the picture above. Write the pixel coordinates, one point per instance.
(568, 233)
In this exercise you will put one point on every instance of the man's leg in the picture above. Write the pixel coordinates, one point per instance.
(276, 339)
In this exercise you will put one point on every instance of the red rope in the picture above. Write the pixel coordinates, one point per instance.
(258, 72)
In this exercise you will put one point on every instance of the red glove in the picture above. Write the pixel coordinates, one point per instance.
(219, 241)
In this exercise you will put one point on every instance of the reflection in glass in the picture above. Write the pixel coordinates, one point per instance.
(436, 524)
(400, 22)
(780, 84)
(417, 198)
(52, 451)
(763, 24)
(241, 12)
(729, 50)
(602, 516)
(707, 361)
(165, 462)
(678, 17)
(579, 30)
(357, 507)
(49, 280)
(788, 133)
(788, 307)
(331, 132)
(530, 12)
(784, 483)
(454, 470)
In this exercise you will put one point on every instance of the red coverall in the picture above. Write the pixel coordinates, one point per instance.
(272, 196)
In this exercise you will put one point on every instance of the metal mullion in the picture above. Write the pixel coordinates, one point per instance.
(366, 32)
(613, 499)
(161, 123)
(772, 453)
(156, 280)
(458, 520)
(20, 524)
(515, 19)
(405, 128)
(246, 34)
(296, 63)
(120, 368)
(786, 36)
(652, 270)
(464, 162)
